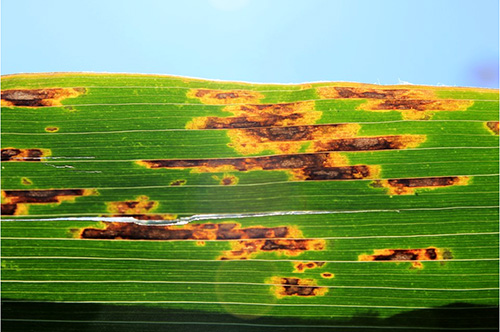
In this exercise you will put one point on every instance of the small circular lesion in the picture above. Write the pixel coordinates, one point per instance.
(51, 129)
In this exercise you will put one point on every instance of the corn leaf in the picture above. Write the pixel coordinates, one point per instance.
(134, 202)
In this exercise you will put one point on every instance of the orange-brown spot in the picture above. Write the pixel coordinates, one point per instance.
(26, 181)
(300, 267)
(296, 287)
(38, 97)
(13, 154)
(408, 186)
(51, 129)
(414, 104)
(43, 196)
(493, 126)
(217, 97)
(227, 180)
(327, 275)
(141, 205)
(405, 255)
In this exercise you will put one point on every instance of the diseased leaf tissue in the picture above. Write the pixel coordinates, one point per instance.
(311, 206)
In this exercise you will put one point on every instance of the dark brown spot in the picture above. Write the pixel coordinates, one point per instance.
(9, 209)
(11, 154)
(41, 196)
(327, 275)
(493, 126)
(38, 97)
(297, 287)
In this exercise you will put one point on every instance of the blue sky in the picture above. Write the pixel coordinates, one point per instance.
(449, 42)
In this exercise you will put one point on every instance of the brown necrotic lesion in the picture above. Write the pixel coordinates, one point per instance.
(15, 202)
(409, 185)
(300, 267)
(140, 205)
(493, 126)
(13, 154)
(276, 162)
(260, 115)
(307, 166)
(407, 255)
(245, 242)
(394, 142)
(289, 286)
(38, 97)
(42, 196)
(414, 104)
(216, 97)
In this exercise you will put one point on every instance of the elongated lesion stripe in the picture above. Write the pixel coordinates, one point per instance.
(308, 166)
(409, 185)
(408, 255)
(38, 97)
(246, 242)
(414, 104)
(14, 202)
(13, 154)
